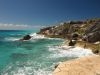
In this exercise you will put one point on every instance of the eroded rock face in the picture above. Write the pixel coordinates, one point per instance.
(94, 37)
(92, 33)
(43, 31)
(88, 30)
(93, 28)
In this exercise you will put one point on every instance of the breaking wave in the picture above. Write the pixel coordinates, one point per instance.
(26, 70)
(34, 36)
(11, 39)
(37, 36)
(67, 51)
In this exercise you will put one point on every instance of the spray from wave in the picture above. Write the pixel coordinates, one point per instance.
(34, 36)
(67, 51)
(37, 36)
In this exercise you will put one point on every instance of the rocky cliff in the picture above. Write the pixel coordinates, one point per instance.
(88, 30)
(85, 33)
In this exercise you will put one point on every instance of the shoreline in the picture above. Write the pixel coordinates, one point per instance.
(79, 44)
(84, 34)
(89, 65)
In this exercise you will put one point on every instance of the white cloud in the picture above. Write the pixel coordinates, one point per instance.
(18, 26)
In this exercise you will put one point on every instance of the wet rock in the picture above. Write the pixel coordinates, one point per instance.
(56, 66)
(27, 37)
(96, 51)
(72, 43)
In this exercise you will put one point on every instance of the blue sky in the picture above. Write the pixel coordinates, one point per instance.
(47, 12)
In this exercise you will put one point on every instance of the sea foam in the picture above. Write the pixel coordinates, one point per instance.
(26, 70)
(37, 36)
(67, 51)
(11, 39)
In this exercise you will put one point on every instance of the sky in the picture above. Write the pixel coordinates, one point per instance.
(26, 14)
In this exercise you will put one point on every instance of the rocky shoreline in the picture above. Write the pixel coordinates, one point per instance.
(85, 34)
(89, 65)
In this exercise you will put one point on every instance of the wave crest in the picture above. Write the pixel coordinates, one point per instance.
(37, 36)
(67, 51)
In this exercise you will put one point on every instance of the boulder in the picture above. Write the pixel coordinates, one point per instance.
(27, 37)
(72, 43)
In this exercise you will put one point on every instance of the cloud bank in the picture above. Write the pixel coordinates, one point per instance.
(18, 26)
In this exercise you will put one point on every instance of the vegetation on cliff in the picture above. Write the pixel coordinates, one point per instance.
(87, 31)
(84, 29)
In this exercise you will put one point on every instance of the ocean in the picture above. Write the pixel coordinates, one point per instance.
(37, 56)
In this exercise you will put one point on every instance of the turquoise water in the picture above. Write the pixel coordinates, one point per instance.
(25, 58)
(37, 56)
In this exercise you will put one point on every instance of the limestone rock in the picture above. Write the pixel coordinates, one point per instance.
(89, 65)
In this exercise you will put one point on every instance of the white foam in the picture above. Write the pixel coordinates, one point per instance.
(11, 39)
(37, 36)
(67, 51)
(26, 70)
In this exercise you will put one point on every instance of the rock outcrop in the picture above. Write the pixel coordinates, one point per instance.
(88, 30)
(92, 33)
(89, 65)
(26, 37)
(94, 47)
(92, 37)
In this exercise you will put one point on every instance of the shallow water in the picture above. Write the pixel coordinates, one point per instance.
(37, 56)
